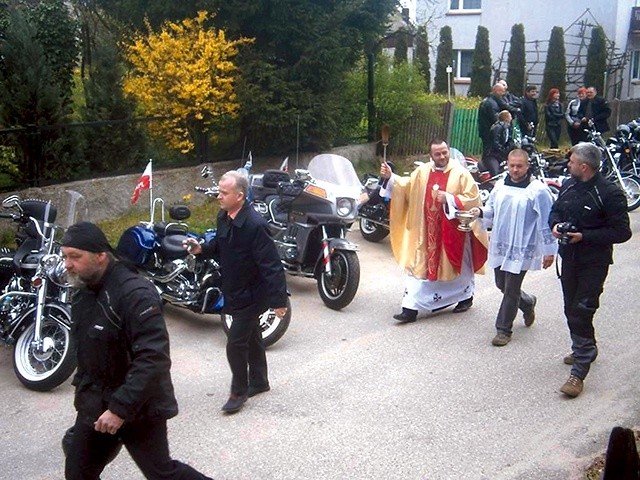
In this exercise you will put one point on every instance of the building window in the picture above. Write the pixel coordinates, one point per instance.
(458, 5)
(463, 60)
(635, 65)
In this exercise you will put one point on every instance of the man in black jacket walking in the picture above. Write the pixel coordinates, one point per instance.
(123, 383)
(589, 216)
(252, 282)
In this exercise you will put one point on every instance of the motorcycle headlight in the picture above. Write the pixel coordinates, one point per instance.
(55, 270)
(344, 207)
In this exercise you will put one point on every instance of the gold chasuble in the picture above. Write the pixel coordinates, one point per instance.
(423, 240)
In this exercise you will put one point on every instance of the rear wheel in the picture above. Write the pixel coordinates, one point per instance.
(372, 232)
(273, 328)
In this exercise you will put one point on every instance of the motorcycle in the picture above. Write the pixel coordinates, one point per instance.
(628, 182)
(309, 216)
(624, 148)
(182, 279)
(35, 299)
(373, 213)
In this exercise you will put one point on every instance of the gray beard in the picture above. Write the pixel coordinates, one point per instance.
(75, 281)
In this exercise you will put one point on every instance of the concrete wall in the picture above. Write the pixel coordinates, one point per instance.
(111, 196)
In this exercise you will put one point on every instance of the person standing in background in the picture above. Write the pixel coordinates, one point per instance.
(575, 122)
(553, 115)
(528, 117)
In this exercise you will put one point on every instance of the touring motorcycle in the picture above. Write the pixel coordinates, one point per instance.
(182, 279)
(35, 313)
(309, 215)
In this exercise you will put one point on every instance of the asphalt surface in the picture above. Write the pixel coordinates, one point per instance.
(356, 396)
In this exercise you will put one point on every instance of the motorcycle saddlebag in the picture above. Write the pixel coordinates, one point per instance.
(136, 244)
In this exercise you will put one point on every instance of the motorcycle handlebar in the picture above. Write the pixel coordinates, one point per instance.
(211, 192)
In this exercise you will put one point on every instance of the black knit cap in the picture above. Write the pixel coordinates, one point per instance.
(86, 236)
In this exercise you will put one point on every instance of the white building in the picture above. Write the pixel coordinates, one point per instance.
(620, 20)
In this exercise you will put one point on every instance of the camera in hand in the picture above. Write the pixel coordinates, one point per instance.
(564, 228)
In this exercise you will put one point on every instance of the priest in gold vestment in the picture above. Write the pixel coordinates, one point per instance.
(440, 260)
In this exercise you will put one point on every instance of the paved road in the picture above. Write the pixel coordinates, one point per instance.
(356, 396)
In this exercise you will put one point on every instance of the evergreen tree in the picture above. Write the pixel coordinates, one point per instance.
(481, 65)
(444, 59)
(28, 96)
(116, 143)
(401, 48)
(596, 60)
(422, 55)
(516, 61)
(555, 68)
(291, 75)
(57, 32)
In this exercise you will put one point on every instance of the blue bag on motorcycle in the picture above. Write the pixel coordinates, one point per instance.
(136, 244)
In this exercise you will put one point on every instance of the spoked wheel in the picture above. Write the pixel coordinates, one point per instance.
(273, 328)
(372, 232)
(44, 368)
(338, 288)
(631, 187)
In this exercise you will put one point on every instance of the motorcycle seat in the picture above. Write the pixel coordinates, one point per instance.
(172, 247)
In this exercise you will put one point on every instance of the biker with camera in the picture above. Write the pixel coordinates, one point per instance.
(589, 216)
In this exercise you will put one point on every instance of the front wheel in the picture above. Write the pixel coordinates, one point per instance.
(273, 328)
(631, 187)
(338, 288)
(44, 368)
(372, 232)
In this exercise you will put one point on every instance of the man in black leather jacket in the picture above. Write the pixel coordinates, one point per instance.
(502, 142)
(123, 383)
(528, 117)
(596, 109)
(488, 112)
(252, 281)
(589, 216)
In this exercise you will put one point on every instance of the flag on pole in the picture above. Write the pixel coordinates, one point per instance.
(285, 165)
(143, 184)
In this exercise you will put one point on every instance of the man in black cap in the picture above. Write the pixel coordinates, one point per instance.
(123, 383)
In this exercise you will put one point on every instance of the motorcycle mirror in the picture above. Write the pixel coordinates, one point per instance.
(206, 171)
(385, 135)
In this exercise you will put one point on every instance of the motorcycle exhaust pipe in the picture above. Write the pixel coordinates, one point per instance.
(170, 276)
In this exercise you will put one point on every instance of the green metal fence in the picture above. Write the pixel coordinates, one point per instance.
(464, 131)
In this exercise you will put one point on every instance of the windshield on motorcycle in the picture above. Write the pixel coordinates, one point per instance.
(335, 169)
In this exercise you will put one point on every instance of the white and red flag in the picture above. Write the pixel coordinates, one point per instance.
(143, 184)
(285, 165)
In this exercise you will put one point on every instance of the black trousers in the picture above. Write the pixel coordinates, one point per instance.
(146, 442)
(576, 135)
(246, 353)
(553, 132)
(581, 289)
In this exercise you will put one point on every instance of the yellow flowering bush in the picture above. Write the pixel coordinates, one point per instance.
(184, 72)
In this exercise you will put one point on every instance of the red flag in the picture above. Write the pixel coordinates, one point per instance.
(143, 184)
